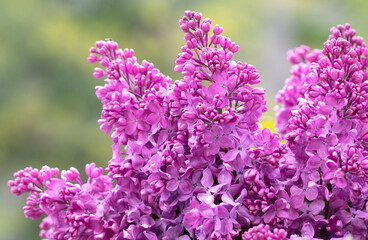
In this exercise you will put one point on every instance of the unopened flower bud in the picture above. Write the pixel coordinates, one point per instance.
(205, 27)
(217, 30)
(251, 175)
(364, 164)
(189, 114)
(98, 73)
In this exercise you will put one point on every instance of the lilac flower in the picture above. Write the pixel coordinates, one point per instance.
(220, 85)
(294, 86)
(178, 181)
(217, 139)
(357, 218)
(336, 174)
(321, 145)
(196, 164)
(238, 150)
(323, 137)
(157, 114)
(312, 210)
(309, 191)
(275, 210)
(135, 122)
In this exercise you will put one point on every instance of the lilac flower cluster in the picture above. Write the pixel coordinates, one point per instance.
(295, 85)
(74, 209)
(327, 135)
(191, 161)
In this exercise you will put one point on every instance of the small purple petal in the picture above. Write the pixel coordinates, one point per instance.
(131, 128)
(269, 215)
(153, 118)
(282, 214)
(227, 198)
(317, 206)
(208, 225)
(191, 218)
(222, 212)
(153, 106)
(307, 230)
(185, 186)
(311, 193)
(147, 221)
(314, 162)
(207, 179)
(226, 142)
(172, 171)
(294, 190)
(280, 203)
(206, 198)
(224, 177)
(150, 235)
(230, 155)
(359, 224)
(226, 226)
(172, 185)
(341, 182)
(208, 136)
(296, 201)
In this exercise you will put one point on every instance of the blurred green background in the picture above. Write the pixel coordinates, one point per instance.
(48, 110)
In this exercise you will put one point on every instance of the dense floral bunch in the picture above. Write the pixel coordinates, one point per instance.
(190, 160)
(295, 86)
(73, 208)
(327, 133)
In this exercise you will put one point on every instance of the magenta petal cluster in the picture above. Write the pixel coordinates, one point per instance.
(190, 159)
(323, 118)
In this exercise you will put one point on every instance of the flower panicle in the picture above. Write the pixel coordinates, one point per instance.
(191, 161)
(72, 208)
(325, 133)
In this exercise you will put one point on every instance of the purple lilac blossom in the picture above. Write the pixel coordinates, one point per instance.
(294, 87)
(326, 135)
(197, 165)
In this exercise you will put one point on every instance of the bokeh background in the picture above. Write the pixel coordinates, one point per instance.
(48, 110)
